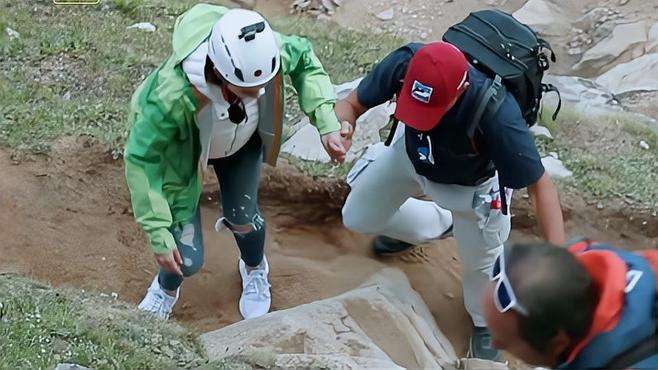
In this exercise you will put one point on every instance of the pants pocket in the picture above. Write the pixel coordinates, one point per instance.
(497, 228)
(494, 225)
(362, 163)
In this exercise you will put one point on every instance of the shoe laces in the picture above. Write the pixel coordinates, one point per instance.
(158, 303)
(257, 284)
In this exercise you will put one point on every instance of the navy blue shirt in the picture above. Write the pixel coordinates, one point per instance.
(445, 154)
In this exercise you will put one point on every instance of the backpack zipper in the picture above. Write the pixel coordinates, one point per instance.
(471, 33)
(519, 44)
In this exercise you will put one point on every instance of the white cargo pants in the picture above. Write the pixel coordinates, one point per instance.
(383, 183)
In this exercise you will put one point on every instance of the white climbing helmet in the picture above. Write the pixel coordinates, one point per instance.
(244, 49)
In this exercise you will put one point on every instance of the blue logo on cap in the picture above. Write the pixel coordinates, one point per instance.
(420, 92)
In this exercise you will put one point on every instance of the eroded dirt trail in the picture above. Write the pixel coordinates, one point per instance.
(66, 220)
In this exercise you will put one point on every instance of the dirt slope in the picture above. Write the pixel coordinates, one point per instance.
(67, 221)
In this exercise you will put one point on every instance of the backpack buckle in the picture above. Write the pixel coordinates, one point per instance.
(497, 82)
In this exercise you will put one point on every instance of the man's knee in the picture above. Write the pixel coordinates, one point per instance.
(358, 221)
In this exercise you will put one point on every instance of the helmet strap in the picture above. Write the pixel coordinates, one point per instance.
(211, 74)
(229, 95)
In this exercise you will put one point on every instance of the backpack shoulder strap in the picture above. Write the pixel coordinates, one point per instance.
(635, 354)
(639, 352)
(489, 100)
(391, 134)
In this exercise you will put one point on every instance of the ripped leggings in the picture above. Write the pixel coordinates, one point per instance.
(239, 176)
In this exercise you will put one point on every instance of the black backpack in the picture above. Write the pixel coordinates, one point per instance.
(511, 54)
(515, 59)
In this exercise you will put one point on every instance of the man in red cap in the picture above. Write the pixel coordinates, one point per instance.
(431, 154)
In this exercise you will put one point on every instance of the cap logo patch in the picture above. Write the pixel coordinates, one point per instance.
(422, 93)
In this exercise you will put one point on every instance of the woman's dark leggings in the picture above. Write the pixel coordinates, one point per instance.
(239, 176)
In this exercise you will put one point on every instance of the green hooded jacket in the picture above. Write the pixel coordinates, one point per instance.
(163, 148)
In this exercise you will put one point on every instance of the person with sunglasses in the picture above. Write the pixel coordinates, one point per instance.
(436, 90)
(591, 306)
(218, 100)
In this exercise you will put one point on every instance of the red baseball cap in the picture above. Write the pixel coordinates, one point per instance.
(434, 76)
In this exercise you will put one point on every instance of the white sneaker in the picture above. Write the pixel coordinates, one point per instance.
(157, 302)
(255, 300)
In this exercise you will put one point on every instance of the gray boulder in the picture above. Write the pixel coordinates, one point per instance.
(592, 18)
(586, 96)
(626, 42)
(554, 167)
(70, 367)
(652, 42)
(305, 143)
(640, 74)
(384, 324)
(545, 17)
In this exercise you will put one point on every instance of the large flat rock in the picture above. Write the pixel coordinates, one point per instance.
(640, 74)
(384, 324)
(626, 42)
(585, 95)
(305, 143)
(545, 17)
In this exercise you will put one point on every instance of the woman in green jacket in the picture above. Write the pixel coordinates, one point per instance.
(218, 100)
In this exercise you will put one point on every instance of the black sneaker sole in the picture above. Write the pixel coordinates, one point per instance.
(385, 246)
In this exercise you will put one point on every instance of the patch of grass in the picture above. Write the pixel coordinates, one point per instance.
(41, 327)
(318, 169)
(345, 54)
(74, 68)
(605, 156)
(128, 6)
(71, 72)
